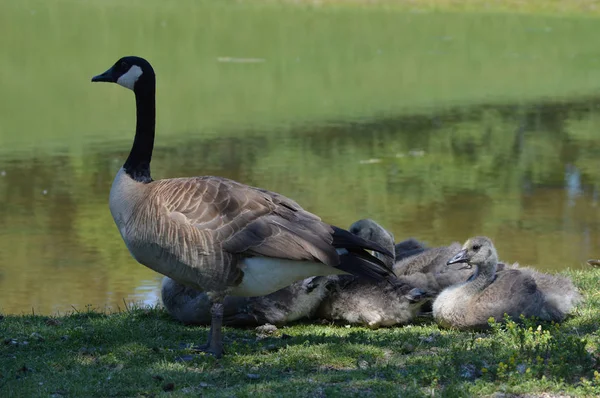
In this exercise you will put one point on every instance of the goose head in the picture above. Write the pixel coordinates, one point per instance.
(131, 72)
(477, 251)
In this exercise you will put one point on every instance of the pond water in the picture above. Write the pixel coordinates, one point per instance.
(353, 112)
(527, 177)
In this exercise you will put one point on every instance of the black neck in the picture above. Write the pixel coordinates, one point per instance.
(138, 162)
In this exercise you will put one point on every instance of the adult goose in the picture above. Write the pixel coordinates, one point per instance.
(217, 235)
(489, 293)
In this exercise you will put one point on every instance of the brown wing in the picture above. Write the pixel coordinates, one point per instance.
(245, 220)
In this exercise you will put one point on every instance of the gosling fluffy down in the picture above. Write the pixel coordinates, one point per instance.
(489, 293)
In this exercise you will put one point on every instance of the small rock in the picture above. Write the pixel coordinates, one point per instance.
(45, 192)
(431, 338)
(362, 364)
(253, 376)
(265, 330)
(37, 336)
(469, 372)
(203, 384)
(2, 173)
(168, 387)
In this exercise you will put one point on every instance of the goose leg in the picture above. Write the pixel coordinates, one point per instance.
(214, 345)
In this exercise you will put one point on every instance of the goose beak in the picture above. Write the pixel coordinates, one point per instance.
(460, 257)
(107, 76)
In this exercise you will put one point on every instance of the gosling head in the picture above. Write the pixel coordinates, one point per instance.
(476, 251)
(371, 231)
(131, 72)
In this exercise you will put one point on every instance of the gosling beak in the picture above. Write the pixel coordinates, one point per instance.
(460, 257)
(107, 76)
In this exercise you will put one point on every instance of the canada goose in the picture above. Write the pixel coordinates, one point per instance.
(217, 235)
(297, 301)
(362, 302)
(490, 294)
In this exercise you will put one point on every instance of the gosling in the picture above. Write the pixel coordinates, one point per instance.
(488, 294)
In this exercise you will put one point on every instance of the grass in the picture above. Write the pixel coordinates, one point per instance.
(141, 352)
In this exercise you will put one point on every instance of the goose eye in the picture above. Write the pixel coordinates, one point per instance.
(476, 247)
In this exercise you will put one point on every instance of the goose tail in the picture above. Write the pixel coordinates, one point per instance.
(355, 259)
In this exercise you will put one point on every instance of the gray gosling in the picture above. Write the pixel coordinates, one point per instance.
(217, 235)
(415, 265)
(298, 301)
(375, 305)
(487, 293)
(354, 301)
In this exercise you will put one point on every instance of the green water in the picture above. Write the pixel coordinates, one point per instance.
(440, 126)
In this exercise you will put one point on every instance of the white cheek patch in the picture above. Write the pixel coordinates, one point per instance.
(128, 79)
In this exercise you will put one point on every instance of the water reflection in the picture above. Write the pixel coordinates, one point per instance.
(526, 177)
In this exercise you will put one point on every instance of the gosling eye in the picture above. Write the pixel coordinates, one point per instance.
(476, 247)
